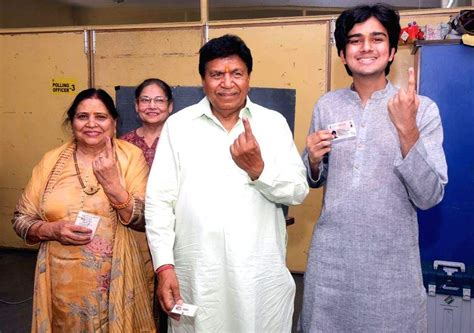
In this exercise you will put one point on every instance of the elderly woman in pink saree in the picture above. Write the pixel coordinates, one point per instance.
(88, 281)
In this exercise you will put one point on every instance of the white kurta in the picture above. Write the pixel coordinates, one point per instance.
(224, 233)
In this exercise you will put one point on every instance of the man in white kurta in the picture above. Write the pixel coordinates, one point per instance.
(221, 228)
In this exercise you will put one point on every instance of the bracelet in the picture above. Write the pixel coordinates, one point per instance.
(164, 268)
(122, 205)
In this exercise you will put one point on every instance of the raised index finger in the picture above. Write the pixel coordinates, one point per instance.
(411, 81)
(108, 148)
(247, 128)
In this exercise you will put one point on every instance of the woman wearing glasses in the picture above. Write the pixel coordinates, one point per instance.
(153, 103)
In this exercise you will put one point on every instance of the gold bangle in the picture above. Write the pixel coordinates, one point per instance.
(122, 205)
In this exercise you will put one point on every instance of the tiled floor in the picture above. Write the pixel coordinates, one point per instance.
(16, 286)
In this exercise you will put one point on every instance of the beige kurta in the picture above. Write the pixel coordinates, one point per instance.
(101, 286)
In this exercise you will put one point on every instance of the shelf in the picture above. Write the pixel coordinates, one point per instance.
(420, 43)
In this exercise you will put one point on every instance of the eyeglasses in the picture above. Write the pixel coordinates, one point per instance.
(159, 101)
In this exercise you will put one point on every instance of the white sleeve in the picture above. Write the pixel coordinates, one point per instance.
(161, 195)
(283, 179)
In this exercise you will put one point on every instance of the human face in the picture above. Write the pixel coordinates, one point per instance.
(152, 105)
(368, 52)
(92, 123)
(226, 85)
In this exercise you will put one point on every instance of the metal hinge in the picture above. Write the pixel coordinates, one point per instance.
(332, 29)
(93, 41)
(86, 41)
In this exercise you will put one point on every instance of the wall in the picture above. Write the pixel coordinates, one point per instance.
(403, 58)
(34, 13)
(288, 53)
(30, 113)
(132, 15)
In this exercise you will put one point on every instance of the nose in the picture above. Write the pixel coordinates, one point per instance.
(367, 45)
(227, 80)
(91, 122)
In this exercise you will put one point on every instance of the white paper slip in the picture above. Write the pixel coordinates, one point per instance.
(87, 220)
(342, 130)
(185, 309)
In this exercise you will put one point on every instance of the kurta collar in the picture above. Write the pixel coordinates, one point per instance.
(379, 94)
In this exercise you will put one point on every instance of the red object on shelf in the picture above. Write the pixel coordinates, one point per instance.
(411, 33)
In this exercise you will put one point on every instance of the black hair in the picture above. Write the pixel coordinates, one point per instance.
(223, 47)
(384, 13)
(160, 83)
(100, 94)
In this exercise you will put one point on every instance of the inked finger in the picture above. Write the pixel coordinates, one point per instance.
(411, 81)
(247, 129)
(108, 148)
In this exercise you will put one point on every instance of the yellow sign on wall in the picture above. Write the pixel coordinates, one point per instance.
(63, 86)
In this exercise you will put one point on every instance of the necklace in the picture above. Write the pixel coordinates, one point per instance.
(87, 189)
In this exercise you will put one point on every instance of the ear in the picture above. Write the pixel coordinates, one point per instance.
(136, 106)
(392, 54)
(342, 56)
(170, 107)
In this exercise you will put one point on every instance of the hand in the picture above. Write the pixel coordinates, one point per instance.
(402, 109)
(403, 106)
(65, 232)
(246, 153)
(318, 144)
(168, 292)
(105, 168)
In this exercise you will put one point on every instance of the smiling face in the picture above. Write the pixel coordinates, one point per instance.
(367, 52)
(226, 85)
(152, 105)
(92, 123)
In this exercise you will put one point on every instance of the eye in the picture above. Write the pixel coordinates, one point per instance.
(159, 100)
(354, 41)
(102, 116)
(238, 74)
(82, 116)
(378, 39)
(216, 75)
(144, 100)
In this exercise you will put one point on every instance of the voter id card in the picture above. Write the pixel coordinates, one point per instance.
(342, 130)
(87, 220)
(185, 309)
